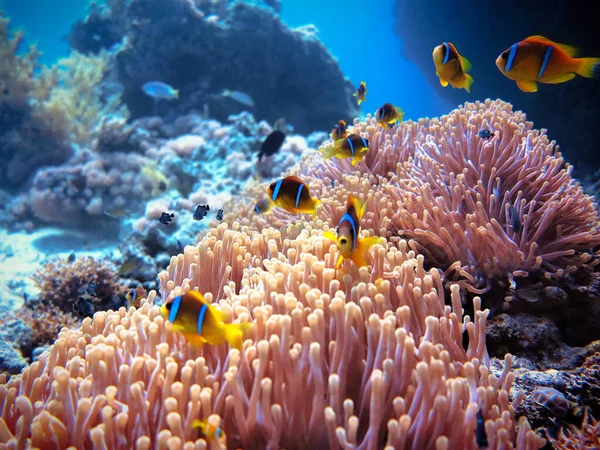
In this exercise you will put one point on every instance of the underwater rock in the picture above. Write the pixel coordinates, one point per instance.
(11, 360)
(37, 352)
(288, 73)
(566, 109)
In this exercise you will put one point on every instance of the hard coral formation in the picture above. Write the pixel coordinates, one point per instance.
(63, 281)
(202, 49)
(379, 361)
(451, 194)
(43, 110)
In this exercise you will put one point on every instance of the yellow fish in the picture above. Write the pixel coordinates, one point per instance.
(210, 432)
(293, 195)
(361, 92)
(452, 68)
(135, 296)
(339, 131)
(353, 146)
(349, 243)
(201, 323)
(388, 114)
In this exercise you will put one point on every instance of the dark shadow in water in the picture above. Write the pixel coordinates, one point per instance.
(65, 242)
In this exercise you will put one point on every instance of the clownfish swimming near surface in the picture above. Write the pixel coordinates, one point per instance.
(537, 59)
(353, 146)
(211, 433)
(348, 241)
(388, 114)
(361, 92)
(451, 67)
(293, 195)
(201, 323)
(339, 131)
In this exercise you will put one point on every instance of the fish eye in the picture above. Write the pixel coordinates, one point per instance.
(168, 306)
(272, 186)
(504, 55)
(343, 241)
(443, 49)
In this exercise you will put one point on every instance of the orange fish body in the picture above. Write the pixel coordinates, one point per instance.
(210, 432)
(537, 59)
(135, 296)
(339, 131)
(349, 243)
(451, 67)
(263, 206)
(353, 146)
(293, 195)
(388, 114)
(361, 92)
(201, 323)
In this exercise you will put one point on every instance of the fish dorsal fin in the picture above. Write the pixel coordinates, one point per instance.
(465, 64)
(295, 179)
(358, 206)
(568, 49)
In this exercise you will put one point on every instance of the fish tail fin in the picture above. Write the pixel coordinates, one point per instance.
(463, 81)
(316, 203)
(235, 333)
(197, 423)
(363, 246)
(328, 152)
(588, 67)
(359, 101)
(358, 206)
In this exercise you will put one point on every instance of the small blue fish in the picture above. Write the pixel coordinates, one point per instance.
(180, 245)
(201, 211)
(514, 219)
(165, 218)
(160, 90)
(480, 434)
(220, 214)
(240, 97)
(486, 134)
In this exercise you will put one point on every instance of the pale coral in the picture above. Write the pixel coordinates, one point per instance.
(370, 360)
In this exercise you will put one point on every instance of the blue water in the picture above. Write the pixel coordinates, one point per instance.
(360, 34)
(364, 51)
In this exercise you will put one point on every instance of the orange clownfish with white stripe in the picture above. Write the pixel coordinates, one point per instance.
(537, 59)
(451, 67)
(293, 195)
(347, 239)
(210, 432)
(201, 323)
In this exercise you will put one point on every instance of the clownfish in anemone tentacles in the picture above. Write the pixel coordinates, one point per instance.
(388, 114)
(354, 146)
(339, 131)
(211, 433)
(348, 241)
(201, 323)
(293, 195)
(451, 67)
(537, 59)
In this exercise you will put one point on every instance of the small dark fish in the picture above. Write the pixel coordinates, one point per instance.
(486, 134)
(263, 206)
(71, 258)
(180, 245)
(166, 218)
(201, 211)
(220, 214)
(162, 186)
(332, 183)
(514, 219)
(480, 434)
(271, 144)
(83, 307)
(91, 289)
(130, 265)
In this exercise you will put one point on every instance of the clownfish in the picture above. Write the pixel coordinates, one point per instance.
(537, 59)
(361, 92)
(389, 114)
(135, 296)
(339, 131)
(263, 206)
(201, 323)
(349, 243)
(210, 432)
(291, 194)
(353, 146)
(451, 67)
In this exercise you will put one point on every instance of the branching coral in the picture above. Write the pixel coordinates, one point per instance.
(380, 361)
(483, 211)
(62, 282)
(45, 324)
(585, 438)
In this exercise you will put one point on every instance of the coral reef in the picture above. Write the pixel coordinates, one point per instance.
(64, 280)
(485, 212)
(380, 361)
(43, 110)
(203, 48)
